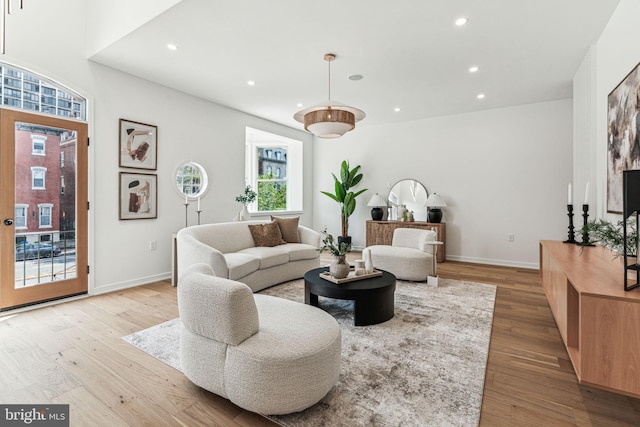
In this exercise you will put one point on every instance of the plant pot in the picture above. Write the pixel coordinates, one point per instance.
(346, 240)
(339, 268)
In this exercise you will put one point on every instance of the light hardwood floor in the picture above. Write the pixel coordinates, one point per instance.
(72, 353)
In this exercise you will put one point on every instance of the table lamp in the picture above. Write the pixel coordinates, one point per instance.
(375, 203)
(434, 203)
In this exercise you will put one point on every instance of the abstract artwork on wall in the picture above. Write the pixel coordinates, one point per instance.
(623, 136)
(138, 196)
(138, 146)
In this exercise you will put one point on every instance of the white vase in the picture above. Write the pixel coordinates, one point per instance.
(368, 263)
(244, 213)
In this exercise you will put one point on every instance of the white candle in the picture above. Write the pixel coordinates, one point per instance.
(198, 203)
(186, 200)
(569, 196)
(586, 194)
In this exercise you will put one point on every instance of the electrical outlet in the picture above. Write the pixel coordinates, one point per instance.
(153, 245)
(511, 237)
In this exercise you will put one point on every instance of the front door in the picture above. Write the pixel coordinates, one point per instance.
(43, 208)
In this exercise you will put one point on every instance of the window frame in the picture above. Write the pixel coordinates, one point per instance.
(25, 207)
(38, 139)
(35, 169)
(42, 206)
(256, 139)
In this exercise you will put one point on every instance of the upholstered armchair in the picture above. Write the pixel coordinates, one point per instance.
(411, 256)
(265, 354)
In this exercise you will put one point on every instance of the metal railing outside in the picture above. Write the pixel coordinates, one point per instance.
(41, 262)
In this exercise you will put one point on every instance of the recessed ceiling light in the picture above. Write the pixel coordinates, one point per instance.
(461, 21)
(299, 105)
(356, 77)
(251, 83)
(480, 96)
(473, 69)
(397, 109)
(172, 46)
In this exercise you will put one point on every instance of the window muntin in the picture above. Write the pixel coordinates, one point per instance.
(38, 176)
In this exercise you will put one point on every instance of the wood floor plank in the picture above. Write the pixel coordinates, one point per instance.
(73, 353)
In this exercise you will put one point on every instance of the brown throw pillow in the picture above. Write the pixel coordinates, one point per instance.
(266, 234)
(288, 228)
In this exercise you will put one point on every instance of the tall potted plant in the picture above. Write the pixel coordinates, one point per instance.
(346, 198)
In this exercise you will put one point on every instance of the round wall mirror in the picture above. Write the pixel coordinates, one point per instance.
(191, 180)
(410, 193)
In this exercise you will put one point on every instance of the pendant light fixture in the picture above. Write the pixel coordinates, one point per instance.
(329, 119)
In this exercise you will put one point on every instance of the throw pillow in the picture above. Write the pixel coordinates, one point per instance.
(266, 234)
(288, 228)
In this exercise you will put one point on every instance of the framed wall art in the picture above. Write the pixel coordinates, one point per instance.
(623, 136)
(138, 145)
(138, 196)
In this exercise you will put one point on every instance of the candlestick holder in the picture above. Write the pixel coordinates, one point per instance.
(572, 233)
(585, 233)
(198, 216)
(186, 214)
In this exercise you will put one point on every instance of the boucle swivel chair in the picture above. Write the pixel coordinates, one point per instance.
(411, 256)
(265, 354)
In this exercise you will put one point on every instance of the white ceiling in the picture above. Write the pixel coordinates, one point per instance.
(410, 53)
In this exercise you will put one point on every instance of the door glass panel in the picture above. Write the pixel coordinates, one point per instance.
(45, 204)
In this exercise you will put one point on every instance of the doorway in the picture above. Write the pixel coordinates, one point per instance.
(43, 208)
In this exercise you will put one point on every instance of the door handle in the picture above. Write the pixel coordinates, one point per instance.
(8, 221)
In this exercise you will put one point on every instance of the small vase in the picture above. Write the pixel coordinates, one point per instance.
(368, 262)
(244, 213)
(339, 268)
(359, 268)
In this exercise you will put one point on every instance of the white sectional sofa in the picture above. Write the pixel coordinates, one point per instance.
(230, 250)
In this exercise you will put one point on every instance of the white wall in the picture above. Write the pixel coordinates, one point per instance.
(608, 62)
(189, 128)
(501, 172)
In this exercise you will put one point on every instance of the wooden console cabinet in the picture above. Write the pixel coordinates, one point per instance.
(381, 233)
(599, 322)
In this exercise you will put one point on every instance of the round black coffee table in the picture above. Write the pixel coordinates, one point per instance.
(373, 298)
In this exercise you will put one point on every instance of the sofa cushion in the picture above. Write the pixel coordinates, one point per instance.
(266, 234)
(241, 264)
(268, 256)
(298, 251)
(288, 228)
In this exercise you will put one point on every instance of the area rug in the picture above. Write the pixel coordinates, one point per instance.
(424, 367)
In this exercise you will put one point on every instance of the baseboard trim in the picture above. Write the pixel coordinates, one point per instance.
(98, 290)
(502, 263)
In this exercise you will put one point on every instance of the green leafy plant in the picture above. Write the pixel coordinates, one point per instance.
(335, 249)
(272, 195)
(611, 235)
(247, 197)
(349, 178)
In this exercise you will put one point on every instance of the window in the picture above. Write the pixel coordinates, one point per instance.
(38, 178)
(22, 89)
(44, 215)
(37, 145)
(21, 216)
(266, 152)
(62, 159)
(61, 184)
